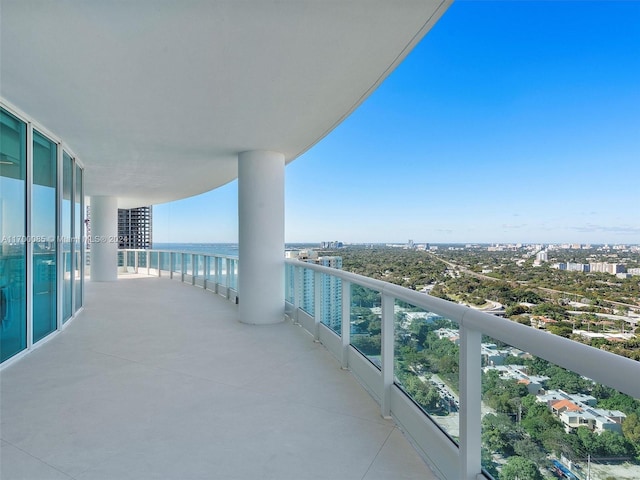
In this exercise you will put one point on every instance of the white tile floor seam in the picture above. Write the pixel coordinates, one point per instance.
(377, 453)
(158, 380)
(36, 459)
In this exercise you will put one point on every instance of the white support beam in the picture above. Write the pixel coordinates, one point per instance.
(104, 233)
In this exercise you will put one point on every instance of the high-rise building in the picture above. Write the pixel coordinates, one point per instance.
(331, 287)
(135, 227)
(542, 256)
(331, 310)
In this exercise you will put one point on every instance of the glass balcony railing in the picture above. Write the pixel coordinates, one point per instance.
(366, 323)
(480, 396)
(438, 369)
(213, 272)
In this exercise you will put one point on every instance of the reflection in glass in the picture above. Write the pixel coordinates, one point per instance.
(43, 230)
(13, 173)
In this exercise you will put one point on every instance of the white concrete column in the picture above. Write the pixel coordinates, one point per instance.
(261, 237)
(104, 239)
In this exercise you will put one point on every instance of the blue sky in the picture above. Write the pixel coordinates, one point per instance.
(510, 122)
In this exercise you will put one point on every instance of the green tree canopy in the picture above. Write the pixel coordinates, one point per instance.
(521, 469)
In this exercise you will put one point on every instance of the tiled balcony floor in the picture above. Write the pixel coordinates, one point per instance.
(158, 380)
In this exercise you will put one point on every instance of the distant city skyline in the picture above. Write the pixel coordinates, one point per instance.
(511, 122)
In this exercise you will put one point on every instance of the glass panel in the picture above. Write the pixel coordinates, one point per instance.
(121, 257)
(197, 265)
(142, 259)
(188, 260)
(43, 231)
(307, 287)
(66, 234)
(222, 270)
(131, 259)
(331, 311)
(78, 238)
(200, 267)
(233, 271)
(213, 261)
(13, 174)
(165, 261)
(426, 365)
(542, 417)
(366, 322)
(289, 283)
(177, 262)
(154, 259)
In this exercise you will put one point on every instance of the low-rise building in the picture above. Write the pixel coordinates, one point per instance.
(579, 410)
(535, 384)
(542, 322)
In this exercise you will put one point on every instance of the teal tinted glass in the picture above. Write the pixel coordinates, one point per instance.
(13, 174)
(43, 232)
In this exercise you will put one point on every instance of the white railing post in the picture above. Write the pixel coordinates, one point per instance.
(205, 271)
(135, 260)
(171, 265)
(346, 323)
(317, 301)
(148, 258)
(298, 278)
(194, 269)
(386, 351)
(216, 274)
(227, 277)
(182, 263)
(470, 403)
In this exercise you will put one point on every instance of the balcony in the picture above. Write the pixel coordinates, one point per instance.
(157, 379)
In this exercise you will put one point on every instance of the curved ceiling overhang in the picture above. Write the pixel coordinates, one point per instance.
(157, 97)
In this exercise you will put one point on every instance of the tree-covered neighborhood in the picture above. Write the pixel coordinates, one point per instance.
(538, 419)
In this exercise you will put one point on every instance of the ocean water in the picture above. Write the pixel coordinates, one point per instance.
(225, 249)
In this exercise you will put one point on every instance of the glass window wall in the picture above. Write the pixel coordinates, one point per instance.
(43, 233)
(13, 177)
(41, 202)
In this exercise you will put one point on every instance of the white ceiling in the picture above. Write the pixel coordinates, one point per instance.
(157, 97)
